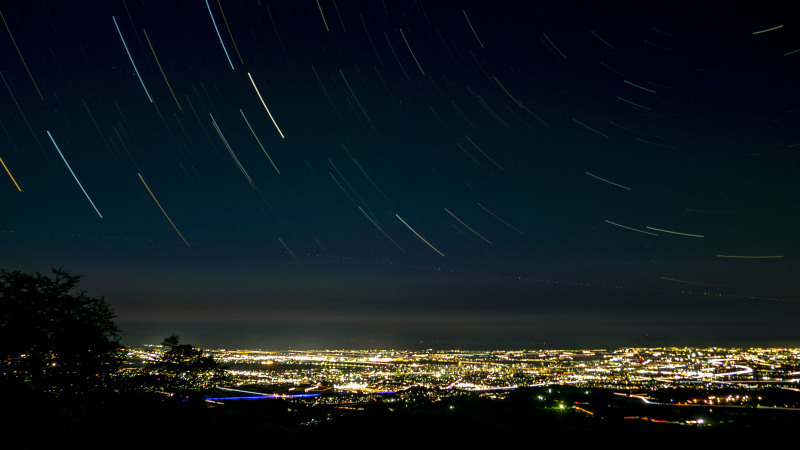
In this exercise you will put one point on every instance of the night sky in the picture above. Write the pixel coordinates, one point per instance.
(429, 174)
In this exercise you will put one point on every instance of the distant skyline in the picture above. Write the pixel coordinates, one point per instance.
(400, 174)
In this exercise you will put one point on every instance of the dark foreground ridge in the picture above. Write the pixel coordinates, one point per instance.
(557, 414)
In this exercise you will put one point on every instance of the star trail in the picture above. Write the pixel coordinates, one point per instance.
(591, 174)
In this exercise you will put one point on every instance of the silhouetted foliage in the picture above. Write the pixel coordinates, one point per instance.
(183, 368)
(53, 338)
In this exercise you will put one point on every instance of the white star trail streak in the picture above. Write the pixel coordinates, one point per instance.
(73, 175)
(259, 142)
(289, 250)
(609, 182)
(218, 35)
(467, 226)
(498, 218)
(131, 58)
(418, 235)
(230, 150)
(265, 106)
(675, 232)
(472, 28)
(629, 228)
(162, 210)
(379, 228)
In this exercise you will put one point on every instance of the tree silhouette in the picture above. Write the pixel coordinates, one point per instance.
(183, 368)
(54, 339)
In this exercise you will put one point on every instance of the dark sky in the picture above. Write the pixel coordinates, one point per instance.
(439, 174)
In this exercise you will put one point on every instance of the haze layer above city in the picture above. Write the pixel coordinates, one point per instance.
(397, 174)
